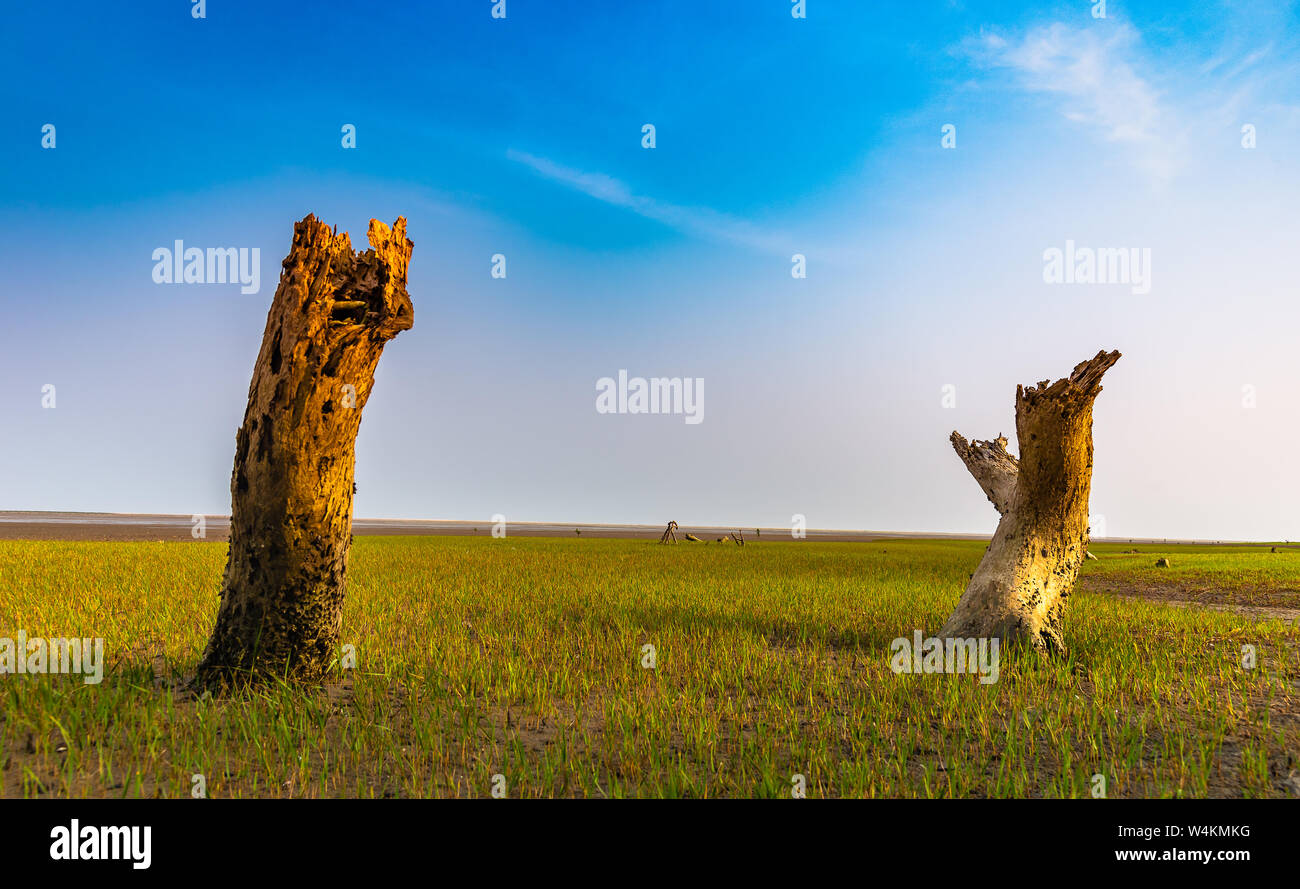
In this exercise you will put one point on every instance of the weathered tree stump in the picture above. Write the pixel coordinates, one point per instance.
(291, 489)
(1019, 591)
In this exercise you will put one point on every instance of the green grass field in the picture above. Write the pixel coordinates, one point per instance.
(523, 658)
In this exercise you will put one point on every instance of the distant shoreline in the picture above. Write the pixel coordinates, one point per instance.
(42, 525)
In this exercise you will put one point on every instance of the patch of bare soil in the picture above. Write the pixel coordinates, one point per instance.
(1258, 601)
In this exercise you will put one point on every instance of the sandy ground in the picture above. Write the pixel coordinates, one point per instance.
(1255, 601)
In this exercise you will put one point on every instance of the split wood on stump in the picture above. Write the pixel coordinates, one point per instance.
(291, 489)
(1019, 591)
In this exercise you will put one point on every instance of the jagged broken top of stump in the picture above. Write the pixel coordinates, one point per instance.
(1084, 382)
(374, 281)
(996, 468)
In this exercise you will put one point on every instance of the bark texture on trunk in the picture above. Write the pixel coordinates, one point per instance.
(1020, 589)
(291, 489)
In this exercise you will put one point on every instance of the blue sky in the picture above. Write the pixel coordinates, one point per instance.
(774, 136)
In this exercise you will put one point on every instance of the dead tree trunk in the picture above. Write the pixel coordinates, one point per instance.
(1019, 591)
(291, 490)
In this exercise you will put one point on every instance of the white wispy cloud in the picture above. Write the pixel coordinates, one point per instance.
(1094, 72)
(699, 222)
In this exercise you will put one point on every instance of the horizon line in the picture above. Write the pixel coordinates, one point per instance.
(92, 518)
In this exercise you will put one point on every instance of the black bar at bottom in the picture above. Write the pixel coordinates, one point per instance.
(338, 838)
